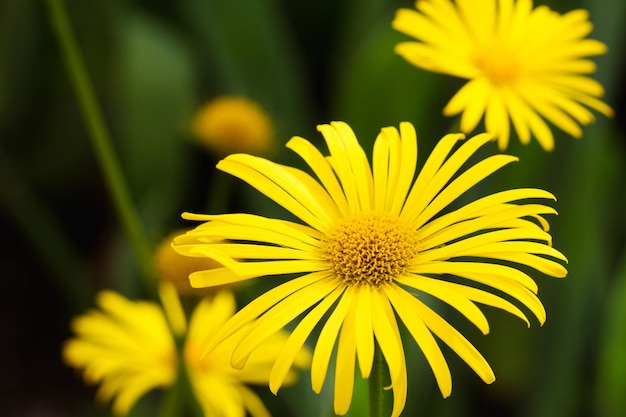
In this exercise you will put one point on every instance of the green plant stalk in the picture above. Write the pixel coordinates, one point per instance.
(100, 137)
(375, 384)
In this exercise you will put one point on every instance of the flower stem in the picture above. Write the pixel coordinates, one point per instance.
(375, 384)
(100, 137)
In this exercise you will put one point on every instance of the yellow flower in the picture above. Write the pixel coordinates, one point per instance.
(231, 124)
(373, 241)
(522, 64)
(128, 347)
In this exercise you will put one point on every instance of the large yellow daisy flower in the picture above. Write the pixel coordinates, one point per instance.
(373, 241)
(127, 346)
(523, 64)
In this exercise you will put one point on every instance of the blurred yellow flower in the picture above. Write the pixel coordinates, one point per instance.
(522, 64)
(230, 124)
(128, 347)
(374, 240)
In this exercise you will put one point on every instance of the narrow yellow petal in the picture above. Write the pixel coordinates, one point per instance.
(473, 244)
(403, 304)
(252, 402)
(341, 164)
(497, 120)
(278, 316)
(461, 184)
(434, 184)
(473, 269)
(251, 269)
(541, 264)
(241, 226)
(389, 342)
(508, 286)
(541, 131)
(261, 304)
(253, 251)
(326, 341)
(361, 170)
(298, 337)
(274, 183)
(381, 155)
(438, 289)
(429, 170)
(399, 384)
(407, 164)
(363, 331)
(173, 308)
(456, 341)
(474, 208)
(516, 109)
(215, 277)
(392, 162)
(344, 369)
(484, 297)
(316, 161)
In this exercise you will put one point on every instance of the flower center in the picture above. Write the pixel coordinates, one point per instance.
(371, 248)
(498, 64)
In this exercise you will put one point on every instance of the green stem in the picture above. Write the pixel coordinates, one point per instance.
(99, 135)
(375, 384)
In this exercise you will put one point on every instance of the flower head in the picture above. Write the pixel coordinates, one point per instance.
(128, 347)
(523, 64)
(372, 241)
(230, 124)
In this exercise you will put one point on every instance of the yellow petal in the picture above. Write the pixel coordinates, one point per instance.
(456, 341)
(433, 184)
(399, 384)
(278, 316)
(363, 332)
(402, 302)
(438, 289)
(316, 161)
(407, 164)
(474, 208)
(473, 269)
(428, 171)
(173, 308)
(252, 402)
(344, 369)
(461, 184)
(381, 155)
(326, 340)
(279, 185)
(390, 343)
(298, 337)
(473, 244)
(261, 304)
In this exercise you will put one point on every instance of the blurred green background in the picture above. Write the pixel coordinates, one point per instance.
(154, 62)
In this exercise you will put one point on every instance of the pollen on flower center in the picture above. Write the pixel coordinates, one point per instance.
(371, 248)
(500, 66)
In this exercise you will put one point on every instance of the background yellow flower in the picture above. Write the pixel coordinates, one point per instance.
(125, 346)
(522, 64)
(229, 124)
(128, 348)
